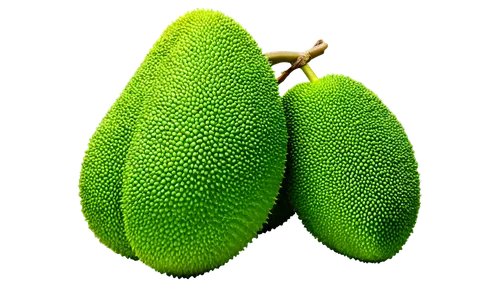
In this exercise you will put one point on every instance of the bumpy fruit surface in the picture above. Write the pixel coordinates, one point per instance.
(352, 171)
(208, 153)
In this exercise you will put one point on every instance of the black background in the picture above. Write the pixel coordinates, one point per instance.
(389, 48)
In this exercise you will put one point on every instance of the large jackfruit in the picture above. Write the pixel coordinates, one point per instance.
(189, 160)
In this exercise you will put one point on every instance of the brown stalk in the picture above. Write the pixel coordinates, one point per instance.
(296, 59)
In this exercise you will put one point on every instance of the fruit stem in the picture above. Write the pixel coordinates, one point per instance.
(309, 73)
(282, 56)
(297, 60)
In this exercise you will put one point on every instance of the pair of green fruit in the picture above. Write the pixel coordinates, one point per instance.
(186, 166)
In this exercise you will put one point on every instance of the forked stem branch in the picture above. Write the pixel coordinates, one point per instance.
(297, 60)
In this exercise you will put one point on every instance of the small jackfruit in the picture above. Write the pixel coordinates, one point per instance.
(193, 153)
(352, 171)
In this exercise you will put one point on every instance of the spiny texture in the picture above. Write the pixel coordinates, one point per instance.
(279, 214)
(354, 180)
(282, 211)
(208, 154)
(102, 168)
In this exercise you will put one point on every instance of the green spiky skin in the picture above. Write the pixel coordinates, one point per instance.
(281, 213)
(354, 180)
(208, 154)
(282, 209)
(102, 168)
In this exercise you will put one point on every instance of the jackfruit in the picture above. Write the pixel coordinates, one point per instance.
(353, 175)
(187, 164)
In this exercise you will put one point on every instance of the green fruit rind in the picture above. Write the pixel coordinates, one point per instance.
(353, 177)
(208, 154)
(101, 176)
